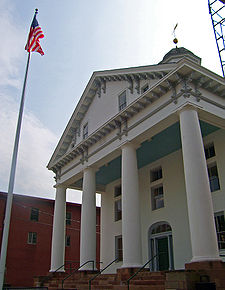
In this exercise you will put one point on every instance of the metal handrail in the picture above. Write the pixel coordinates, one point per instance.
(91, 261)
(89, 282)
(49, 276)
(139, 270)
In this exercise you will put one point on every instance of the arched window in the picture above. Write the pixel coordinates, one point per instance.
(160, 228)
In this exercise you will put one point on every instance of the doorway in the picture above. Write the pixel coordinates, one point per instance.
(161, 247)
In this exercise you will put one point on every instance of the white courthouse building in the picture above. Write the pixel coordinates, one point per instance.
(151, 141)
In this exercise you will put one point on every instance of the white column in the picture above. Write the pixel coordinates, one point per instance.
(131, 227)
(58, 235)
(88, 220)
(199, 200)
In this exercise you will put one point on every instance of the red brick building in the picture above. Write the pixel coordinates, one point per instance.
(29, 245)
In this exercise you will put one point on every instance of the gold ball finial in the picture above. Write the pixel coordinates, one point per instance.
(175, 41)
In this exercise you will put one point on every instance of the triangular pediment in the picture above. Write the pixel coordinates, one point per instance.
(95, 87)
(165, 75)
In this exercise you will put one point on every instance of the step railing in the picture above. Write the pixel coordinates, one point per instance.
(99, 273)
(24, 288)
(139, 270)
(93, 265)
(45, 279)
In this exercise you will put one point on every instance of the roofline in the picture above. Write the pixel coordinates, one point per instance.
(4, 194)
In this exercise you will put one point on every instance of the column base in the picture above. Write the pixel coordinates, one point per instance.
(88, 266)
(87, 273)
(203, 259)
(130, 266)
(205, 265)
(57, 271)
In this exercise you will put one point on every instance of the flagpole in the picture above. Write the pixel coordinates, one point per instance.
(11, 183)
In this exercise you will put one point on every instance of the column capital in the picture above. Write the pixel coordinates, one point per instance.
(63, 186)
(92, 167)
(132, 144)
(187, 107)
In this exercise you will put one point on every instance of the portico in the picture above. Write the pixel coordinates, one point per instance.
(128, 172)
(154, 150)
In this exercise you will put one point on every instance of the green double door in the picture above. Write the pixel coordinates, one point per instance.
(163, 252)
(162, 249)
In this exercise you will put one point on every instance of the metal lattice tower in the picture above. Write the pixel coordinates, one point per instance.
(217, 12)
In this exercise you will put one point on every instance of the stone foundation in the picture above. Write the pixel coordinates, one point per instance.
(210, 271)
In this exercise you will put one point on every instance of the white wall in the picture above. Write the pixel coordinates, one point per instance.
(174, 211)
(103, 108)
(109, 228)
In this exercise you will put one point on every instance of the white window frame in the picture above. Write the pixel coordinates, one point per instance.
(144, 88)
(68, 218)
(118, 251)
(32, 238)
(212, 178)
(67, 241)
(155, 171)
(85, 131)
(156, 181)
(158, 197)
(121, 103)
(207, 148)
(219, 232)
(117, 203)
(34, 214)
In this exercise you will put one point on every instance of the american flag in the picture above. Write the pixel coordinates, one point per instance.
(34, 35)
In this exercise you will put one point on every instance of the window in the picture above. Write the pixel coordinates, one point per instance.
(156, 174)
(34, 214)
(32, 238)
(160, 228)
(68, 218)
(119, 248)
(74, 140)
(117, 203)
(122, 100)
(220, 229)
(67, 241)
(144, 88)
(157, 197)
(85, 131)
(213, 177)
(209, 151)
(118, 210)
(117, 191)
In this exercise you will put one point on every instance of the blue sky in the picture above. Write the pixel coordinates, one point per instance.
(81, 36)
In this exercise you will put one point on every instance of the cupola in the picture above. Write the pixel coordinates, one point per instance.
(176, 54)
